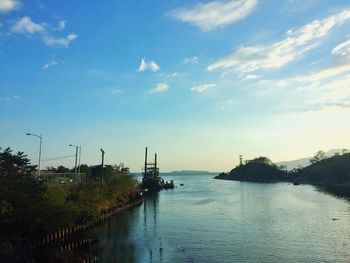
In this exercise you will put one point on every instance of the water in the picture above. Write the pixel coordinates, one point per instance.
(209, 220)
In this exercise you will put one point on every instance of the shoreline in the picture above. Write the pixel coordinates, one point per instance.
(338, 190)
(62, 241)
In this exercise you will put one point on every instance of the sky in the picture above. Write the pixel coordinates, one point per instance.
(198, 82)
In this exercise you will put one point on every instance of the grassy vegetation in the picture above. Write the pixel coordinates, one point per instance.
(30, 209)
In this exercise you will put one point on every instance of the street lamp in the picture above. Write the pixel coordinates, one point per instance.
(103, 158)
(41, 140)
(76, 156)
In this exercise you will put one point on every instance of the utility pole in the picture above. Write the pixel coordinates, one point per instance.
(41, 141)
(103, 157)
(145, 171)
(76, 157)
(79, 159)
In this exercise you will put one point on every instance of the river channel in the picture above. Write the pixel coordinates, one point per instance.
(208, 220)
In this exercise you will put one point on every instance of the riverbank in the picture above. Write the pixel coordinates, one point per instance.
(330, 174)
(59, 244)
(36, 214)
(339, 190)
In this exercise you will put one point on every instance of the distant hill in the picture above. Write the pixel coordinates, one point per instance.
(303, 162)
(190, 172)
(258, 170)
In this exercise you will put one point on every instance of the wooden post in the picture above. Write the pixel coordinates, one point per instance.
(145, 161)
(155, 162)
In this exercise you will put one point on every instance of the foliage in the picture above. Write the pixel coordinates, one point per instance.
(320, 155)
(15, 164)
(335, 170)
(260, 169)
(21, 196)
(30, 208)
(263, 160)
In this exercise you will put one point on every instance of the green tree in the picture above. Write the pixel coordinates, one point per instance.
(15, 164)
(21, 196)
(320, 155)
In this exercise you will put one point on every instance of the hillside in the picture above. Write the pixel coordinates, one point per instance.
(303, 162)
(333, 170)
(258, 170)
(331, 174)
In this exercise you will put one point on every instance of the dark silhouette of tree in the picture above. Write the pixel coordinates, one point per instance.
(21, 196)
(15, 164)
(320, 155)
(30, 208)
(260, 169)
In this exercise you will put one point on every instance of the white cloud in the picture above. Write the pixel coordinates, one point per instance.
(281, 83)
(61, 25)
(278, 54)
(215, 14)
(161, 87)
(342, 49)
(203, 87)
(250, 77)
(59, 41)
(25, 25)
(174, 75)
(333, 93)
(51, 63)
(117, 91)
(191, 60)
(148, 65)
(327, 73)
(9, 5)
(10, 98)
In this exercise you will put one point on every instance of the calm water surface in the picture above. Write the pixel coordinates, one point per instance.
(209, 220)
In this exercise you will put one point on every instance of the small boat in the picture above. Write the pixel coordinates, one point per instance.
(296, 183)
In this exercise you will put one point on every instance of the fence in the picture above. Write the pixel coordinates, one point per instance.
(62, 178)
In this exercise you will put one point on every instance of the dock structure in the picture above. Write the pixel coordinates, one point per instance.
(151, 179)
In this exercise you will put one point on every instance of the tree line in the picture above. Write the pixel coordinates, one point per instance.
(30, 208)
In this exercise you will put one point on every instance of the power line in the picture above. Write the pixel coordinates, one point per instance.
(58, 158)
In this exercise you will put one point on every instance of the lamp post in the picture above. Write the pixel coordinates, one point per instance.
(103, 157)
(41, 140)
(76, 156)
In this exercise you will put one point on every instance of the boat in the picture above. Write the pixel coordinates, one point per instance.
(151, 179)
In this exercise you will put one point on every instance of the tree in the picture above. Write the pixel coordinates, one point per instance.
(15, 164)
(263, 159)
(320, 155)
(21, 196)
(62, 169)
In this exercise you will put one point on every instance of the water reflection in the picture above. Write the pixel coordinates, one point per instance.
(215, 221)
(150, 228)
(150, 210)
(114, 238)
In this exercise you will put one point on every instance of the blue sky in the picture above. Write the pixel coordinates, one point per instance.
(198, 82)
